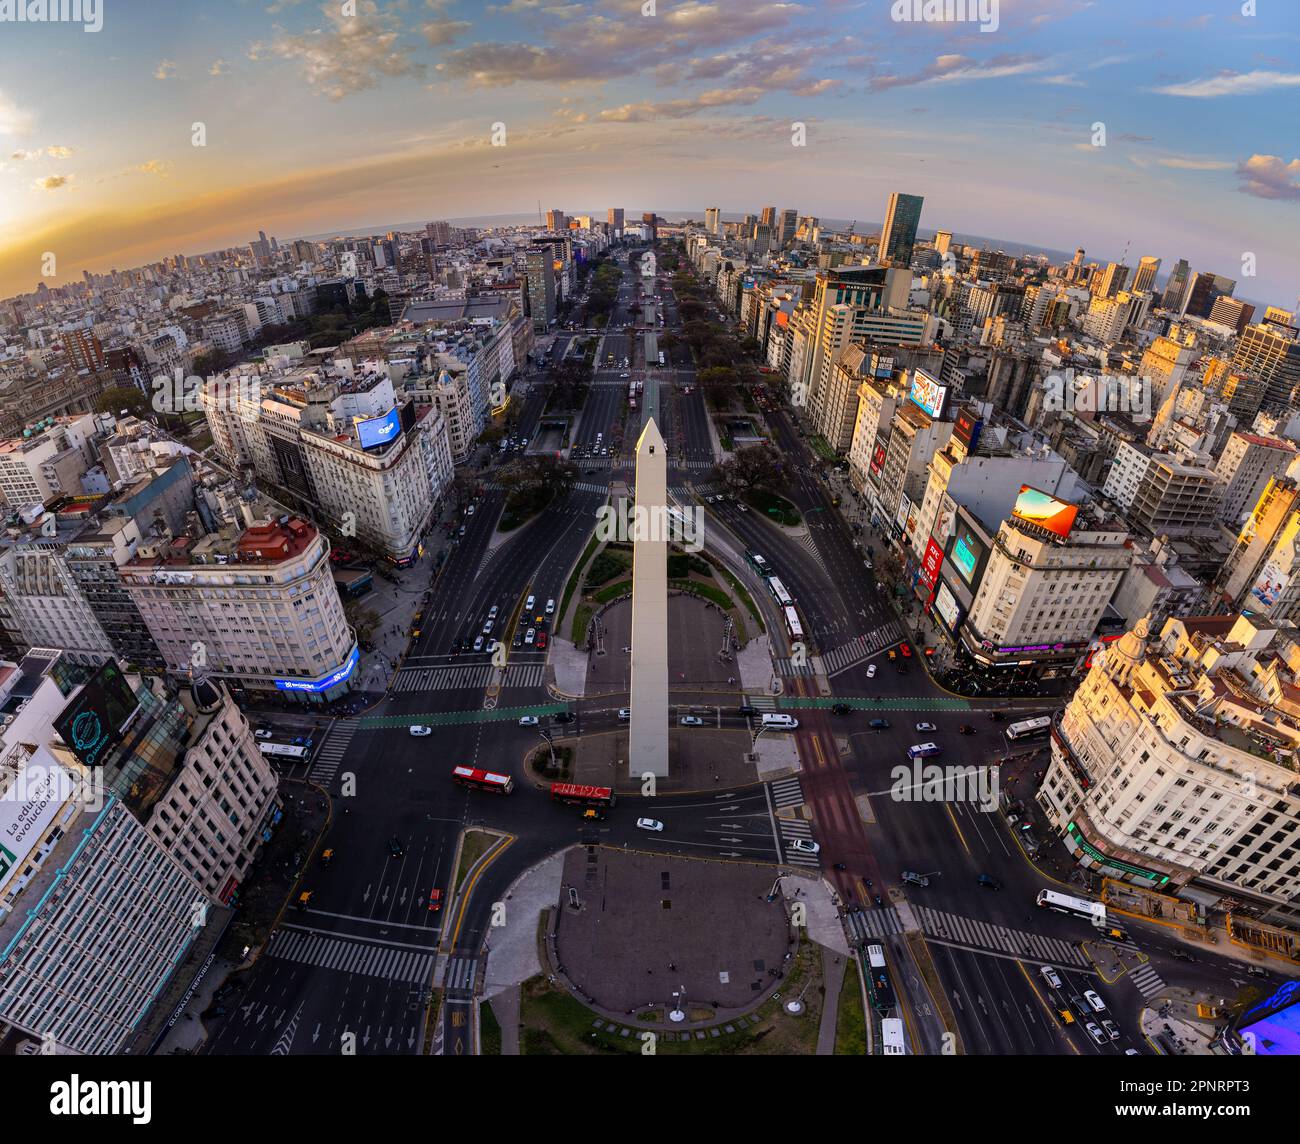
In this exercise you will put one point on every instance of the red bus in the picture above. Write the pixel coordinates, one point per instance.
(482, 780)
(577, 794)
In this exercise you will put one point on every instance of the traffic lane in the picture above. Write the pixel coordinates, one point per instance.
(731, 824)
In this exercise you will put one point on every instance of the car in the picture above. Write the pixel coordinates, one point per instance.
(550, 607)
(487, 627)
(419, 730)
(1256, 971)
(395, 847)
(460, 531)
(530, 636)
(1112, 1030)
(262, 735)
(1080, 1006)
(478, 643)
(1132, 1053)
(541, 640)
(893, 655)
(1094, 1031)
(530, 603)
(871, 671)
(988, 882)
(528, 720)
(652, 824)
(965, 729)
(879, 724)
(492, 612)
(470, 510)
(926, 727)
(840, 708)
(1096, 1003)
(745, 508)
(912, 878)
(1181, 954)
(906, 649)
(562, 717)
(624, 714)
(326, 857)
(805, 846)
(692, 721)
(435, 901)
(746, 710)
(518, 641)
(1050, 976)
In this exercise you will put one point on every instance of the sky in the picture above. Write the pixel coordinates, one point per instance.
(1161, 127)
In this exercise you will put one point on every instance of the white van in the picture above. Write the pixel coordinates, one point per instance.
(780, 722)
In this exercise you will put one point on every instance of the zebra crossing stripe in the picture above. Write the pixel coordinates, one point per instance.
(787, 792)
(451, 677)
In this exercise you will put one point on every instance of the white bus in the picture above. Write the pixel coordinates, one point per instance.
(661, 357)
(1027, 728)
(1093, 912)
(792, 625)
(779, 594)
(284, 751)
(891, 1037)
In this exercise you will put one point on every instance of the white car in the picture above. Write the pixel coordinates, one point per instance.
(1112, 1030)
(742, 506)
(649, 824)
(550, 607)
(871, 667)
(926, 727)
(528, 721)
(1051, 976)
(1098, 1005)
(692, 721)
(530, 635)
(530, 603)
(1095, 1033)
(624, 714)
(470, 511)
(478, 644)
(420, 731)
(805, 846)
(263, 734)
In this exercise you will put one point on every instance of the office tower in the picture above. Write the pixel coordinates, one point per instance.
(1267, 353)
(1284, 319)
(899, 235)
(942, 241)
(1246, 465)
(439, 234)
(711, 220)
(1163, 366)
(1111, 281)
(556, 220)
(651, 220)
(1076, 268)
(1145, 279)
(1176, 288)
(1232, 312)
(788, 224)
(615, 217)
(1205, 289)
(540, 271)
(1274, 519)
(768, 217)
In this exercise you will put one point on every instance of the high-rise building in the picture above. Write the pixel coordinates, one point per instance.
(1246, 465)
(615, 217)
(711, 219)
(1163, 366)
(439, 234)
(1232, 312)
(898, 238)
(1272, 527)
(768, 217)
(1270, 355)
(1174, 763)
(1176, 288)
(84, 350)
(1203, 292)
(557, 220)
(1162, 494)
(540, 270)
(1145, 278)
(1111, 281)
(789, 222)
(942, 241)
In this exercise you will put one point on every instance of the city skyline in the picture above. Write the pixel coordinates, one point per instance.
(996, 131)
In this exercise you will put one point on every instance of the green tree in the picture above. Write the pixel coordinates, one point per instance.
(123, 397)
(756, 466)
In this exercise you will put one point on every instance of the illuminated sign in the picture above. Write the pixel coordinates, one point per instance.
(321, 684)
(967, 430)
(945, 605)
(930, 564)
(379, 430)
(92, 724)
(1152, 876)
(927, 393)
(877, 461)
(1045, 511)
(966, 553)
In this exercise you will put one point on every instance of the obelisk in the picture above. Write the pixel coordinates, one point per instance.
(648, 730)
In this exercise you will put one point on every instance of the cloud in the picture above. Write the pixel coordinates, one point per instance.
(14, 120)
(1181, 163)
(1231, 83)
(960, 69)
(165, 70)
(681, 108)
(51, 182)
(59, 152)
(1268, 177)
(218, 67)
(160, 167)
(350, 55)
(440, 32)
(1060, 81)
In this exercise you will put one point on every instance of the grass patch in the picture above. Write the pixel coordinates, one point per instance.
(605, 567)
(577, 571)
(612, 591)
(489, 1032)
(851, 1020)
(476, 844)
(581, 620)
(706, 591)
(738, 590)
(771, 505)
(822, 447)
(563, 763)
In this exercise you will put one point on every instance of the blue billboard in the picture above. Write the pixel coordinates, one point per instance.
(379, 430)
(1274, 1024)
(325, 684)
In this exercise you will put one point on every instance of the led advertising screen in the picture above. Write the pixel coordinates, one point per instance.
(928, 394)
(967, 430)
(931, 563)
(1274, 1024)
(945, 604)
(379, 430)
(966, 553)
(1035, 507)
(94, 721)
(877, 461)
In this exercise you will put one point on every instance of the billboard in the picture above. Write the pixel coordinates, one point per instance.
(967, 430)
(877, 461)
(379, 430)
(904, 507)
(1041, 509)
(94, 721)
(1270, 585)
(928, 394)
(943, 520)
(29, 805)
(967, 551)
(321, 684)
(945, 604)
(930, 563)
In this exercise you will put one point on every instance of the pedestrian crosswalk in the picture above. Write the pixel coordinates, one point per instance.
(877, 923)
(785, 667)
(471, 677)
(460, 975)
(761, 702)
(590, 487)
(786, 792)
(810, 545)
(957, 930)
(1147, 980)
(794, 830)
(370, 959)
(863, 647)
(330, 756)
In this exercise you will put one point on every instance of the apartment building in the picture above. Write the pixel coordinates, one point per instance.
(1270, 353)
(1246, 465)
(1175, 762)
(48, 459)
(1164, 493)
(1271, 521)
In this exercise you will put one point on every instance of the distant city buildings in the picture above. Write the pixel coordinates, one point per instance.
(898, 239)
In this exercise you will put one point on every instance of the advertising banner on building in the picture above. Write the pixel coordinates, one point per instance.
(946, 607)
(29, 805)
(930, 564)
(928, 394)
(1044, 510)
(93, 723)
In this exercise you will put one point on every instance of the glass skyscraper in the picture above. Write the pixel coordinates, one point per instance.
(899, 236)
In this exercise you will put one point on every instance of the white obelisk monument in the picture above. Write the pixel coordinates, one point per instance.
(648, 731)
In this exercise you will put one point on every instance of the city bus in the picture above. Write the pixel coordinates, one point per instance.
(761, 566)
(882, 993)
(1093, 912)
(891, 1037)
(792, 625)
(779, 594)
(482, 780)
(1028, 728)
(284, 751)
(597, 798)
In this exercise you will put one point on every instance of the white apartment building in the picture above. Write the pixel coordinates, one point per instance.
(1177, 758)
(1246, 465)
(46, 601)
(878, 399)
(914, 439)
(1164, 493)
(256, 607)
(48, 459)
(1253, 565)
